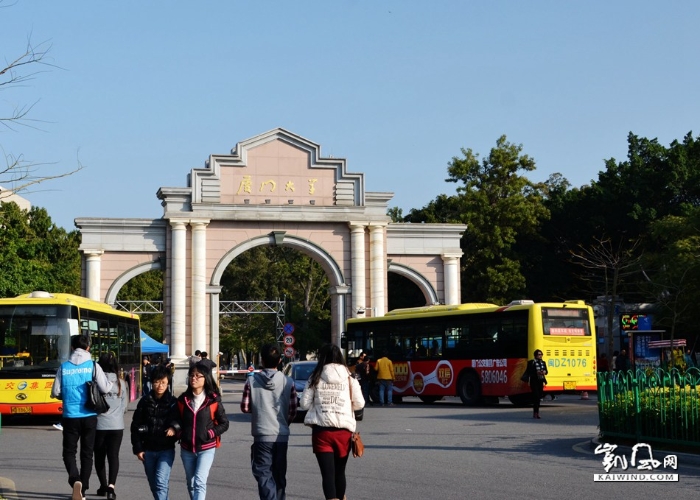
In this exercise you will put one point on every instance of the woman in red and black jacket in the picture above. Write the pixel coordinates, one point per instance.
(202, 420)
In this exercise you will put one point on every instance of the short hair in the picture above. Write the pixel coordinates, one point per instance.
(204, 354)
(159, 373)
(537, 351)
(270, 355)
(81, 341)
(197, 352)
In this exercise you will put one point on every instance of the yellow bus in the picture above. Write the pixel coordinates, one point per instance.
(35, 331)
(479, 351)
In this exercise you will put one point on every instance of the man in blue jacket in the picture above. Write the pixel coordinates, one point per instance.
(79, 423)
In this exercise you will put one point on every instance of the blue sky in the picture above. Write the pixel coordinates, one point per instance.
(147, 90)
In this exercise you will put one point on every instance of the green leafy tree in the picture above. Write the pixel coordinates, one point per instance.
(498, 205)
(146, 286)
(36, 254)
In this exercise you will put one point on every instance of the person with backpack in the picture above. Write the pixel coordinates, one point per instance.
(201, 422)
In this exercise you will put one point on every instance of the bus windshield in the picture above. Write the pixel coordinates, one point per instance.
(35, 337)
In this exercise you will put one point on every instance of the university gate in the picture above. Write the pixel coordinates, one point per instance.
(273, 189)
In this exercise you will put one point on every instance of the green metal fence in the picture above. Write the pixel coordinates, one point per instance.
(653, 406)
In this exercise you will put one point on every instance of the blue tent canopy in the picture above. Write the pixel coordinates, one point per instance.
(152, 346)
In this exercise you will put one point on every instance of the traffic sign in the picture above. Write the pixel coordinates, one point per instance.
(289, 340)
(288, 328)
(289, 352)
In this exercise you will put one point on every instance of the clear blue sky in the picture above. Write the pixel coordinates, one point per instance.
(147, 90)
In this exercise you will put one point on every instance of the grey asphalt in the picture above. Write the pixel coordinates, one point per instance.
(414, 451)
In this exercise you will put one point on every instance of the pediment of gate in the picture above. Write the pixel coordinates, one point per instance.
(277, 168)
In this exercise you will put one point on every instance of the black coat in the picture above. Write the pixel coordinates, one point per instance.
(151, 419)
(532, 372)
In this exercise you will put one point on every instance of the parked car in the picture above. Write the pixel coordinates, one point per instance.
(300, 372)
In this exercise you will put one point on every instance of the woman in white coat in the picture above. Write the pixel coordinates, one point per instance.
(331, 397)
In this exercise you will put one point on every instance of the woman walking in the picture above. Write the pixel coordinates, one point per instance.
(201, 421)
(110, 427)
(331, 395)
(537, 372)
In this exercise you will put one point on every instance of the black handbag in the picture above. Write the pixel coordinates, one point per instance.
(96, 400)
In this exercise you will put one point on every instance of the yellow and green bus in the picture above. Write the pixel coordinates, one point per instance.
(35, 331)
(480, 351)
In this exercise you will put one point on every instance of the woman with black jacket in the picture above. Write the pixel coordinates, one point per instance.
(201, 422)
(152, 437)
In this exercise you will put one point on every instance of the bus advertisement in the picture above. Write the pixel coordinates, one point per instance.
(35, 331)
(479, 352)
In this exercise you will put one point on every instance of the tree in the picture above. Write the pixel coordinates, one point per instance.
(499, 206)
(146, 286)
(17, 174)
(607, 263)
(36, 254)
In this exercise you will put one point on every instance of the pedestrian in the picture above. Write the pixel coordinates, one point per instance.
(201, 422)
(603, 364)
(209, 363)
(145, 376)
(110, 428)
(362, 374)
(79, 422)
(385, 379)
(622, 362)
(272, 399)
(537, 374)
(330, 397)
(152, 440)
(195, 358)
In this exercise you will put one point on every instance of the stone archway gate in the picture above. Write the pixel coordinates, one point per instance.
(273, 189)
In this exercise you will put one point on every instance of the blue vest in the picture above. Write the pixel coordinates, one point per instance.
(74, 390)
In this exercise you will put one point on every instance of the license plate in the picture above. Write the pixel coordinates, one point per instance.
(21, 409)
(570, 386)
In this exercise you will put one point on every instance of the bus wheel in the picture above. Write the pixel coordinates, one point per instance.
(397, 399)
(521, 399)
(469, 389)
(429, 399)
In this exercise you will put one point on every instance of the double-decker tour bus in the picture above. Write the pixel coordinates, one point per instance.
(35, 331)
(479, 351)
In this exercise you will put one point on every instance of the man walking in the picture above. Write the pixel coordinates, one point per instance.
(79, 423)
(385, 379)
(272, 399)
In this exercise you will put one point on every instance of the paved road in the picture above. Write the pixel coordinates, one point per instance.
(414, 451)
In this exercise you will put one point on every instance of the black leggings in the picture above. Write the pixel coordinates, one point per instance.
(107, 444)
(332, 474)
(537, 391)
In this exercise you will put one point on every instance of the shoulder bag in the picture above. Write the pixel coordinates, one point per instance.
(96, 400)
(356, 444)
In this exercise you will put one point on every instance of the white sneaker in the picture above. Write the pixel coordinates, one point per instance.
(58, 426)
(77, 491)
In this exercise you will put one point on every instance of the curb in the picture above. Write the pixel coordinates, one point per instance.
(7, 489)
(683, 458)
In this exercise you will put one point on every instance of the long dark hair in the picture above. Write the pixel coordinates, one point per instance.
(209, 384)
(328, 354)
(109, 364)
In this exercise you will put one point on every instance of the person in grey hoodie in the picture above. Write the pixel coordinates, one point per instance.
(110, 427)
(272, 399)
(79, 422)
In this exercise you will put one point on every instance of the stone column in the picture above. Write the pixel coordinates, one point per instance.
(338, 311)
(178, 292)
(451, 278)
(198, 285)
(358, 260)
(214, 292)
(377, 269)
(93, 271)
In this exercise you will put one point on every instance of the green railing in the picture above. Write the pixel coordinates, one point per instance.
(652, 406)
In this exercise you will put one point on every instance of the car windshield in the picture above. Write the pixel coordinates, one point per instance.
(303, 372)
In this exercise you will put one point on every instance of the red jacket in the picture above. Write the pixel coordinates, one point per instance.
(201, 430)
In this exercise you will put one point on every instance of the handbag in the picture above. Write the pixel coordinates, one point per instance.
(356, 444)
(96, 400)
(525, 377)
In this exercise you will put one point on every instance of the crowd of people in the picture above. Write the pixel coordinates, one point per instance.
(197, 419)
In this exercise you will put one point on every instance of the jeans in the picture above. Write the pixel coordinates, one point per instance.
(269, 464)
(157, 465)
(388, 386)
(197, 465)
(83, 430)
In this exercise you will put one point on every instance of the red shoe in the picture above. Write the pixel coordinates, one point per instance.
(537, 415)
